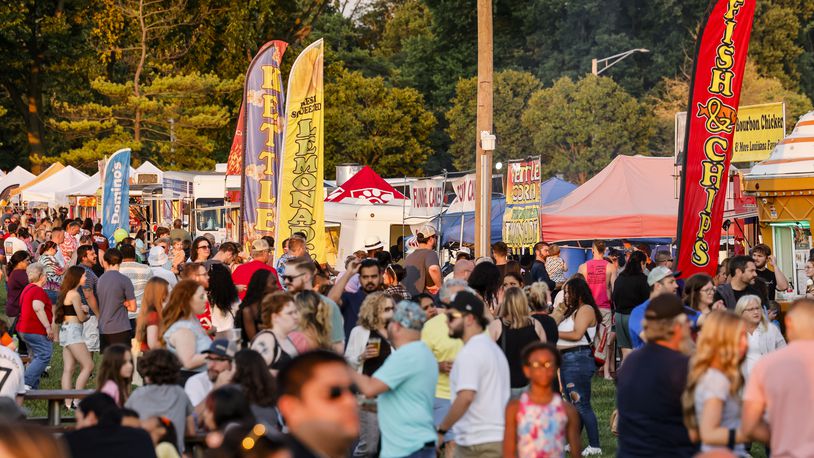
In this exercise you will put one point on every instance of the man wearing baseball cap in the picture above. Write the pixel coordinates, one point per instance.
(219, 371)
(662, 281)
(479, 383)
(261, 252)
(651, 381)
(405, 386)
(422, 265)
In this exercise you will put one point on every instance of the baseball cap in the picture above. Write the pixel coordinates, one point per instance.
(425, 231)
(660, 273)
(157, 257)
(663, 307)
(260, 245)
(222, 347)
(466, 302)
(373, 242)
(409, 315)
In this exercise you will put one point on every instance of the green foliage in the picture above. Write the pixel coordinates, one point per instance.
(373, 124)
(176, 114)
(781, 36)
(512, 91)
(579, 127)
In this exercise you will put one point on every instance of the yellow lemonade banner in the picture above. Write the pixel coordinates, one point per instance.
(302, 165)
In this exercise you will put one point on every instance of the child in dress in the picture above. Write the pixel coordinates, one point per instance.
(555, 266)
(540, 422)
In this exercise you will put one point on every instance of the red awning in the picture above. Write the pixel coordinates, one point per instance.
(368, 185)
(633, 197)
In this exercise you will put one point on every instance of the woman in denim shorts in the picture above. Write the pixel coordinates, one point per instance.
(70, 314)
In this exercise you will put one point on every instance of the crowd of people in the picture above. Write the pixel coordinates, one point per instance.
(395, 356)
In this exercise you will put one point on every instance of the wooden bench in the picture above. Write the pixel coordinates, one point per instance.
(56, 399)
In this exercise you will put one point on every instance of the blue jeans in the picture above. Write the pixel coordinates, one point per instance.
(53, 295)
(40, 348)
(577, 370)
(424, 452)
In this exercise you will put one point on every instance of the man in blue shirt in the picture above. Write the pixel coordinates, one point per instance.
(661, 280)
(405, 386)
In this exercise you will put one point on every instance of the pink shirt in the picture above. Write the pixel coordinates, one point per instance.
(596, 270)
(788, 400)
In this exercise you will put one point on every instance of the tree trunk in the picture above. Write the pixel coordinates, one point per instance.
(139, 69)
(33, 100)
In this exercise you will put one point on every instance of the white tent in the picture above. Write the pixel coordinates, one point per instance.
(17, 177)
(46, 190)
(85, 188)
(147, 168)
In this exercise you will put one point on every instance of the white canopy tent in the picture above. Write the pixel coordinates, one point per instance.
(17, 177)
(46, 190)
(147, 168)
(88, 187)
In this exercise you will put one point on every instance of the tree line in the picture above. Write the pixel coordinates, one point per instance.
(164, 77)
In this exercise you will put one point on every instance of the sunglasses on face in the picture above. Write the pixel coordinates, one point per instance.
(203, 247)
(453, 315)
(290, 278)
(389, 309)
(336, 392)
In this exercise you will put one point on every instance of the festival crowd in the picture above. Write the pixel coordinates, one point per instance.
(204, 345)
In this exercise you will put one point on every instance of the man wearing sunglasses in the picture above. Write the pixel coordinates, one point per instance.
(405, 386)
(318, 402)
(479, 383)
(370, 280)
(260, 253)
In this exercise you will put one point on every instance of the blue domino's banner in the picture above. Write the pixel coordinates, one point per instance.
(116, 194)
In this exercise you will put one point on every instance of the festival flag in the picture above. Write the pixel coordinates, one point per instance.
(262, 142)
(116, 194)
(234, 165)
(302, 165)
(714, 96)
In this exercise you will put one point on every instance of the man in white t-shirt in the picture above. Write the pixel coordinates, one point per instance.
(138, 273)
(12, 371)
(479, 383)
(219, 372)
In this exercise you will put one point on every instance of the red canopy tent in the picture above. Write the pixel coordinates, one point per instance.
(368, 185)
(633, 197)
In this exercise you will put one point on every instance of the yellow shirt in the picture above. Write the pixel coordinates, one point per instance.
(436, 335)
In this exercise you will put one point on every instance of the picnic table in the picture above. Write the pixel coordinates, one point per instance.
(56, 398)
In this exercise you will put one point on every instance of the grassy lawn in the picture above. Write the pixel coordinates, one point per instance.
(39, 408)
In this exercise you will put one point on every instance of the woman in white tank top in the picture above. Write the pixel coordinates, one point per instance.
(577, 330)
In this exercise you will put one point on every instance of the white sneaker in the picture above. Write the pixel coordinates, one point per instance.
(589, 451)
(567, 448)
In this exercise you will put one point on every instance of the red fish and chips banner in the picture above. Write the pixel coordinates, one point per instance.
(262, 142)
(714, 95)
(521, 221)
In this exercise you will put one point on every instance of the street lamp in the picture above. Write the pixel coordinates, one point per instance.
(615, 58)
(498, 166)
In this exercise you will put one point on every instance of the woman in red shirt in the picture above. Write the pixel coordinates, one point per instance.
(36, 325)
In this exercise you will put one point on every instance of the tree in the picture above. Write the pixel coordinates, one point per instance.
(778, 39)
(512, 91)
(373, 124)
(174, 113)
(43, 53)
(672, 97)
(163, 114)
(579, 127)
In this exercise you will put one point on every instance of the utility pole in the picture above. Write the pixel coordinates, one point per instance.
(484, 141)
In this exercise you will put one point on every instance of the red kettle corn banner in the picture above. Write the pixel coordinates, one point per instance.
(714, 95)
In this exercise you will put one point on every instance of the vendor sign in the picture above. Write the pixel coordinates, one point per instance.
(427, 197)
